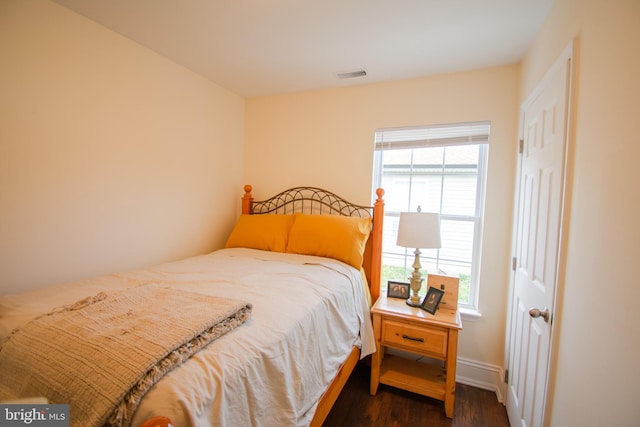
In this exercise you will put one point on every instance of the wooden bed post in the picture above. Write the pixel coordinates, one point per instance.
(376, 246)
(247, 199)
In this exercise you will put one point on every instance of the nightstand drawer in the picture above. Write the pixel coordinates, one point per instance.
(418, 338)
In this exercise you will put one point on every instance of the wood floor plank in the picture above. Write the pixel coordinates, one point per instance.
(392, 407)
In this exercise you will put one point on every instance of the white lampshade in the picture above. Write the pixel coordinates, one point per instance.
(419, 230)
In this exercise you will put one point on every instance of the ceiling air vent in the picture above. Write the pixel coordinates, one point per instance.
(351, 74)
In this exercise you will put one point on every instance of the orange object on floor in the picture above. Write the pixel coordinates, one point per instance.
(157, 422)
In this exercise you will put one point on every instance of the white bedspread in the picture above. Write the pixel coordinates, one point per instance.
(308, 312)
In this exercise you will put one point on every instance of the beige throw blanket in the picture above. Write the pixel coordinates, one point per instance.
(102, 354)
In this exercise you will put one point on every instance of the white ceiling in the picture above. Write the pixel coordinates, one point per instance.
(266, 47)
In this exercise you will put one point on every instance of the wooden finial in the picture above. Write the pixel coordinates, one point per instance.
(247, 199)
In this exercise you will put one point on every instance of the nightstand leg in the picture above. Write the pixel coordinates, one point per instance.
(450, 386)
(376, 358)
(375, 374)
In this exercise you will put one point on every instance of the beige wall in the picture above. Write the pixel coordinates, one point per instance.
(325, 138)
(111, 156)
(595, 376)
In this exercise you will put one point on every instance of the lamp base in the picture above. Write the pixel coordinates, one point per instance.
(413, 304)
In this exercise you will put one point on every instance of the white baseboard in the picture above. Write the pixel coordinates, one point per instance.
(482, 375)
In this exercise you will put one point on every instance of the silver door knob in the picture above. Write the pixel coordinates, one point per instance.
(535, 313)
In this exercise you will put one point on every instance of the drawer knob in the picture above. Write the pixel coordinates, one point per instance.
(407, 337)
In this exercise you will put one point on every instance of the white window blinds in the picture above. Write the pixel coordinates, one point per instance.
(433, 136)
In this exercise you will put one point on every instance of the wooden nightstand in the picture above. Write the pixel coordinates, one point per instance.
(400, 326)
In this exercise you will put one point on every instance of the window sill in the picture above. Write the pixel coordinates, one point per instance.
(469, 313)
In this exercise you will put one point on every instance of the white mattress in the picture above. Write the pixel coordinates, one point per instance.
(308, 312)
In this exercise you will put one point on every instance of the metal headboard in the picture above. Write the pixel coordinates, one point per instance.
(309, 200)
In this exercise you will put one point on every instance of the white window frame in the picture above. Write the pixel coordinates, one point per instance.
(474, 133)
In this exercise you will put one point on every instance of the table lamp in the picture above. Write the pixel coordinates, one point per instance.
(418, 230)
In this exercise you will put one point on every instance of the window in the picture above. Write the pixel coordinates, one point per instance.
(441, 169)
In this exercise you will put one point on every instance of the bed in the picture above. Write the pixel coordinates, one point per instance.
(291, 289)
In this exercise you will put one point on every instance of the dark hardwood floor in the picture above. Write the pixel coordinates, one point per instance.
(392, 407)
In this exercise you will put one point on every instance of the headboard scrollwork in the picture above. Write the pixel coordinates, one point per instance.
(308, 200)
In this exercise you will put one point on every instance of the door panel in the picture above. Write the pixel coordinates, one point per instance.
(537, 239)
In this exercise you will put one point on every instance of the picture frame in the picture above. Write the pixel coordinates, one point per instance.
(398, 289)
(432, 300)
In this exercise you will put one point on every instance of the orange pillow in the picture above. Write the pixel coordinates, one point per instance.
(264, 232)
(339, 237)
